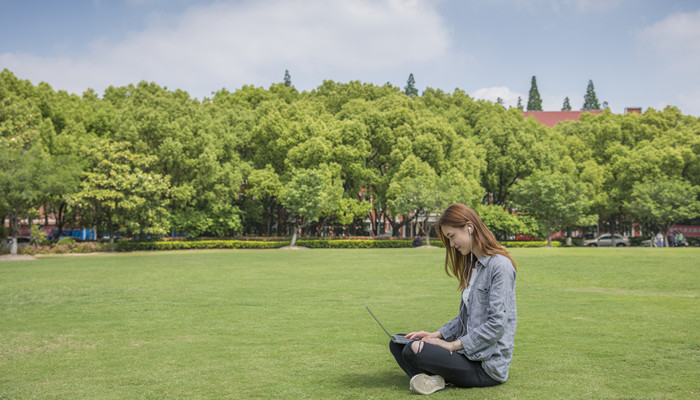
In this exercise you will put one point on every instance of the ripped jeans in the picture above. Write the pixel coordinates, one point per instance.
(434, 360)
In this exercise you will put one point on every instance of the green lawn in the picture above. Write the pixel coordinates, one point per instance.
(592, 324)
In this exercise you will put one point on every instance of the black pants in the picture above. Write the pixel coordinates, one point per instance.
(434, 360)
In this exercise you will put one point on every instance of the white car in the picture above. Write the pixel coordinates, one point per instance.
(21, 242)
(606, 241)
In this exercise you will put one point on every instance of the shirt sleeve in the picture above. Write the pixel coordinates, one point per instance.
(450, 330)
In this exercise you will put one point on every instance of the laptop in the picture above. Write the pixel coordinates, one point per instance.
(394, 338)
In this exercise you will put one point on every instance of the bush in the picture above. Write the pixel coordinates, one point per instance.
(125, 245)
(312, 243)
(65, 241)
(64, 246)
(354, 243)
(530, 243)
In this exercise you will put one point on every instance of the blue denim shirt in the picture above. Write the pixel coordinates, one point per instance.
(486, 327)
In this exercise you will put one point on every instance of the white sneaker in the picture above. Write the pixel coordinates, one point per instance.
(426, 384)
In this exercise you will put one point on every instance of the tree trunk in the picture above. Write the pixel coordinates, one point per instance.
(13, 233)
(549, 235)
(294, 236)
(427, 229)
(111, 233)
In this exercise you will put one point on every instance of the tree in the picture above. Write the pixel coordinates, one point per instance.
(566, 106)
(24, 163)
(23, 174)
(500, 102)
(590, 100)
(519, 106)
(514, 148)
(410, 88)
(287, 79)
(309, 195)
(555, 199)
(664, 202)
(605, 105)
(503, 223)
(534, 102)
(115, 191)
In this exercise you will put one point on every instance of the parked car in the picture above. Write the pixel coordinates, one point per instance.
(606, 241)
(21, 242)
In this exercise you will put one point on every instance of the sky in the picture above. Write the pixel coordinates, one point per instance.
(638, 53)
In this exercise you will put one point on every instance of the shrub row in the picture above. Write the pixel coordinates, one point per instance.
(312, 243)
(66, 247)
(353, 243)
(126, 245)
(530, 243)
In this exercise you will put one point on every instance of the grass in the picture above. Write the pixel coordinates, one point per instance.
(261, 324)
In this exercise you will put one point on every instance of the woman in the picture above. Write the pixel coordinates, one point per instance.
(475, 348)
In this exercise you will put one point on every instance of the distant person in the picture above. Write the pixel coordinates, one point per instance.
(417, 241)
(680, 239)
(659, 239)
(475, 348)
(671, 240)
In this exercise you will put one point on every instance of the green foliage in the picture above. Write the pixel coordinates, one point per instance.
(503, 223)
(38, 235)
(287, 79)
(349, 157)
(566, 106)
(311, 194)
(117, 192)
(590, 100)
(530, 243)
(311, 243)
(555, 199)
(410, 88)
(126, 245)
(65, 241)
(663, 202)
(534, 101)
(67, 246)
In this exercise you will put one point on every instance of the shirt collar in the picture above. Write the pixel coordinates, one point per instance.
(483, 260)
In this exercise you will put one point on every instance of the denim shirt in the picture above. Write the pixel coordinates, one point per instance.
(486, 327)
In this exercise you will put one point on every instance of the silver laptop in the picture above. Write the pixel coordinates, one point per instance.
(394, 338)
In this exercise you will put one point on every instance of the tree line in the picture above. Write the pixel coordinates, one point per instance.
(145, 160)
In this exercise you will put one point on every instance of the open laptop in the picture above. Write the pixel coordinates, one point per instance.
(394, 338)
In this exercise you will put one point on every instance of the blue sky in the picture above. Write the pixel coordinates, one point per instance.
(639, 53)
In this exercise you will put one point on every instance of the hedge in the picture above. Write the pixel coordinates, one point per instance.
(127, 245)
(530, 243)
(353, 243)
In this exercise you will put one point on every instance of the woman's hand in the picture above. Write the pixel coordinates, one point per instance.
(422, 335)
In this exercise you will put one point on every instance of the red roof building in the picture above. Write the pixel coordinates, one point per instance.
(551, 118)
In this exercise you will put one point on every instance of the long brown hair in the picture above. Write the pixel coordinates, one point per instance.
(458, 216)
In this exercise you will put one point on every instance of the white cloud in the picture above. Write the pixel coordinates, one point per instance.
(253, 42)
(675, 40)
(590, 6)
(582, 6)
(510, 98)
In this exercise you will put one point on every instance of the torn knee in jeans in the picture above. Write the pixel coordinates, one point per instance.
(417, 347)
